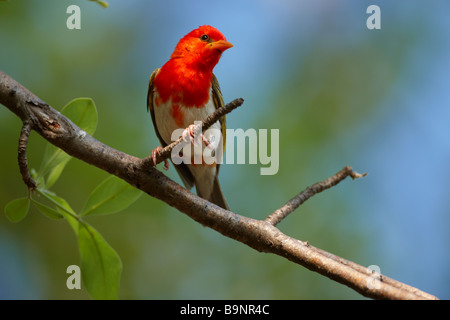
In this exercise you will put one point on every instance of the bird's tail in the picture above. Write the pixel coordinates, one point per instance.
(216, 196)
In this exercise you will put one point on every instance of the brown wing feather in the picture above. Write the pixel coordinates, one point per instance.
(150, 106)
(217, 196)
(218, 103)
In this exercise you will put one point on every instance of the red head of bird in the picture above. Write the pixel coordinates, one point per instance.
(188, 73)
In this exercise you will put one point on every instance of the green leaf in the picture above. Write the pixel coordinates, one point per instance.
(83, 113)
(62, 207)
(38, 179)
(111, 196)
(100, 264)
(104, 4)
(53, 162)
(47, 211)
(56, 171)
(17, 209)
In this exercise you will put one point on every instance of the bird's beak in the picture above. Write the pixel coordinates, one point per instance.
(220, 45)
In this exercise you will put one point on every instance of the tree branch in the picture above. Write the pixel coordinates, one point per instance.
(22, 156)
(259, 235)
(281, 213)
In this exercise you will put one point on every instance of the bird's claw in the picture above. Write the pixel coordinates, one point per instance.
(190, 135)
(155, 153)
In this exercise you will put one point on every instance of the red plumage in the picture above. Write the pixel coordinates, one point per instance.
(187, 76)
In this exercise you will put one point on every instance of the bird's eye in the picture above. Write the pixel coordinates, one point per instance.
(204, 37)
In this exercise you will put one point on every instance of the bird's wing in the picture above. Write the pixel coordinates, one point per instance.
(182, 169)
(150, 106)
(218, 103)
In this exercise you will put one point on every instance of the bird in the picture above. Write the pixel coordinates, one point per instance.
(185, 90)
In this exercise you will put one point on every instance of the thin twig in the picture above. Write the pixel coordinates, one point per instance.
(278, 215)
(165, 152)
(22, 155)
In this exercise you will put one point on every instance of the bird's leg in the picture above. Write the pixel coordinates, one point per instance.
(189, 135)
(155, 153)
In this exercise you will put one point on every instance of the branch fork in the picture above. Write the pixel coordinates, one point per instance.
(278, 215)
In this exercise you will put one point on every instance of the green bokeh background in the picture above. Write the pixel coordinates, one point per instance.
(340, 94)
